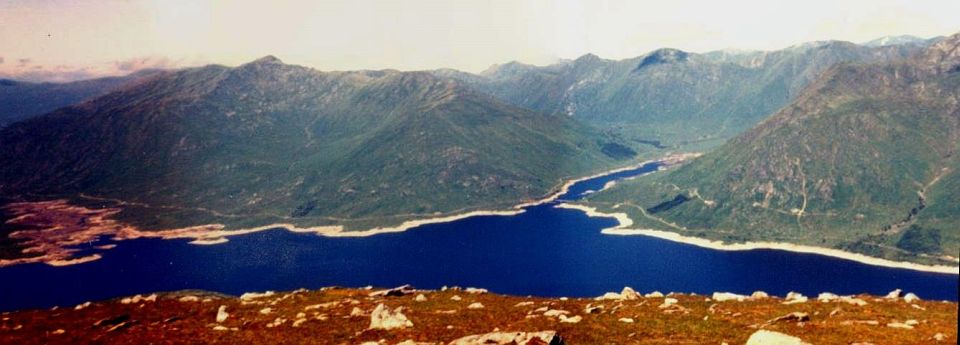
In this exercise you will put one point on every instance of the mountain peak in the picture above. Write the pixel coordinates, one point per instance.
(267, 60)
(663, 56)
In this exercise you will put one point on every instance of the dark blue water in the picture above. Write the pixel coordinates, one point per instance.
(544, 251)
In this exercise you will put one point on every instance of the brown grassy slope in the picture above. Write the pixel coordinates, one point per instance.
(441, 319)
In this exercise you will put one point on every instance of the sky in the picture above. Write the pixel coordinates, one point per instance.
(74, 39)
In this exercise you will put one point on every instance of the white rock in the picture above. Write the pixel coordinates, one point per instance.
(939, 337)
(222, 314)
(759, 295)
(266, 311)
(626, 320)
(475, 290)
(249, 296)
(555, 312)
(727, 296)
(629, 293)
(455, 298)
(572, 319)
(613, 296)
(826, 297)
(668, 302)
(794, 298)
(655, 294)
(383, 318)
(475, 305)
(900, 325)
(138, 298)
(764, 337)
(893, 294)
(82, 305)
(420, 298)
(912, 322)
(298, 322)
(189, 299)
(503, 338)
(523, 304)
(356, 312)
(910, 298)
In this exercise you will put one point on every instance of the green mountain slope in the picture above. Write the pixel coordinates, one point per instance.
(20, 100)
(864, 159)
(670, 97)
(267, 142)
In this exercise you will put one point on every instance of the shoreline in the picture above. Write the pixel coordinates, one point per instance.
(217, 233)
(625, 222)
(212, 234)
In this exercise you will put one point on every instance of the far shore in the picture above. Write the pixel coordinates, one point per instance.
(625, 222)
(212, 234)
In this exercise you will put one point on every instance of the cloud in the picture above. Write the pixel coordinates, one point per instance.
(137, 64)
(34, 71)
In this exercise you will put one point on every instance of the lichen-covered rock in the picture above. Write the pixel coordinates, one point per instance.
(727, 296)
(383, 318)
(764, 337)
(503, 338)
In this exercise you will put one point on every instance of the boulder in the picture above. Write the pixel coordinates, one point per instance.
(629, 294)
(475, 290)
(383, 318)
(794, 298)
(222, 314)
(397, 291)
(655, 294)
(759, 295)
(555, 312)
(893, 294)
(475, 305)
(249, 296)
(668, 302)
(764, 337)
(420, 298)
(503, 338)
(571, 319)
(910, 297)
(727, 296)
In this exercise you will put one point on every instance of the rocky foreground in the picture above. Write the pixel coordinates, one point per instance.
(473, 316)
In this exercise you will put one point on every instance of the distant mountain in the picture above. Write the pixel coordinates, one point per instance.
(669, 96)
(20, 100)
(897, 40)
(865, 159)
(268, 142)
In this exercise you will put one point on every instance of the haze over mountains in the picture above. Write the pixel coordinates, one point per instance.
(20, 100)
(267, 142)
(669, 96)
(864, 159)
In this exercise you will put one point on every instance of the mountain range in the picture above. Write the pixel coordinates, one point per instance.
(671, 98)
(858, 153)
(20, 100)
(864, 159)
(283, 143)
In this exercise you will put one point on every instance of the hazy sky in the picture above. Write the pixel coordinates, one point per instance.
(112, 35)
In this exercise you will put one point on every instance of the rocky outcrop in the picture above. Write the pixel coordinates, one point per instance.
(504, 338)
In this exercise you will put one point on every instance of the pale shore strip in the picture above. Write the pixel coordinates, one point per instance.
(216, 233)
(211, 234)
(76, 261)
(624, 223)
